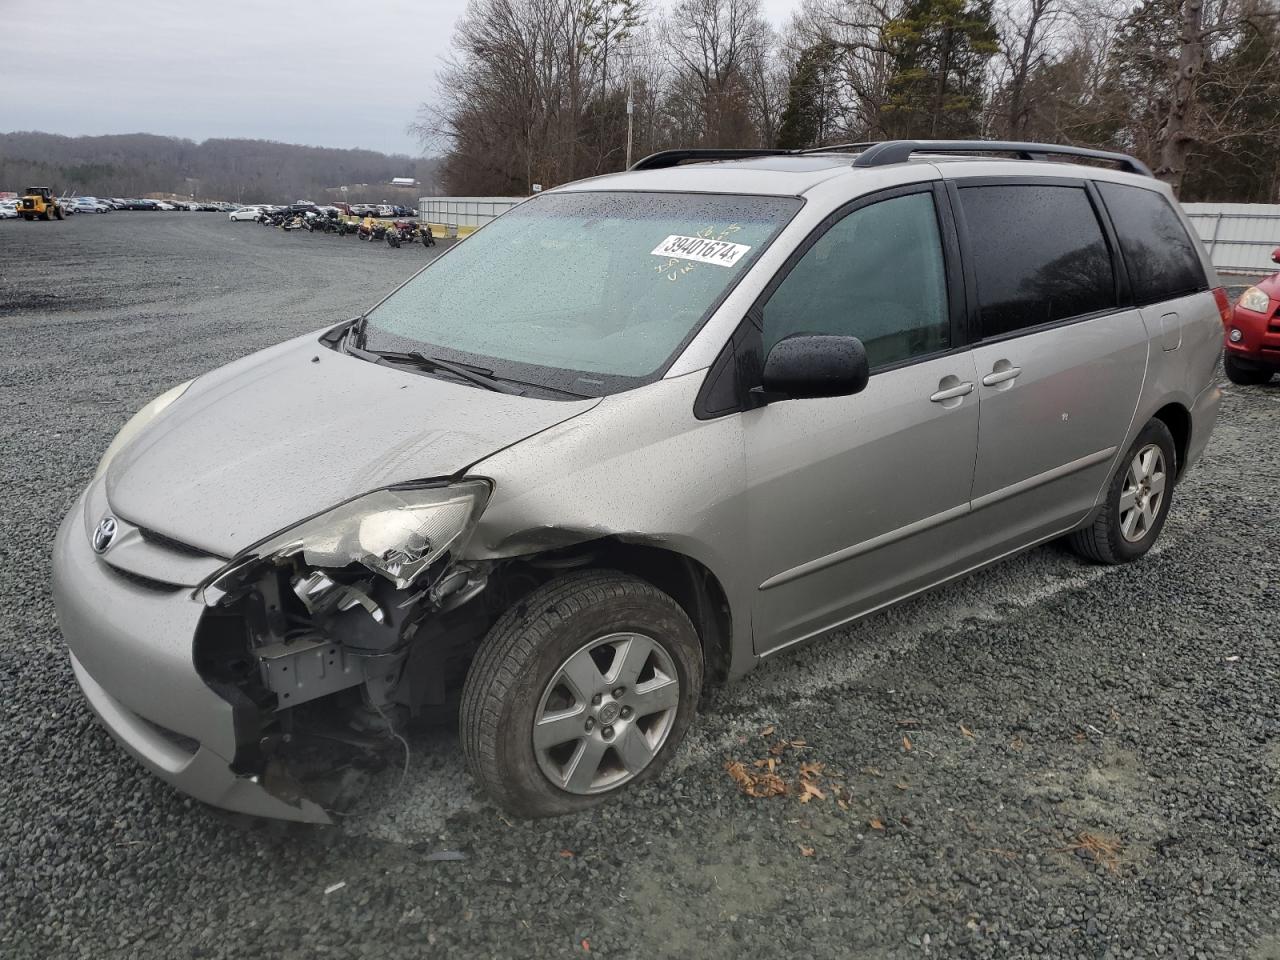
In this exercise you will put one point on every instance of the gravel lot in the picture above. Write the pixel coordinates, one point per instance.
(1044, 759)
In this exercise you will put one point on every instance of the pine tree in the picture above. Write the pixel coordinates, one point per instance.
(940, 50)
(806, 117)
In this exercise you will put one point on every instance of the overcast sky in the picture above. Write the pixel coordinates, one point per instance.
(334, 73)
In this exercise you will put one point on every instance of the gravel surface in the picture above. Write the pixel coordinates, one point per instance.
(1043, 759)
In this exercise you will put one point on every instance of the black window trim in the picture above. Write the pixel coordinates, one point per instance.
(1120, 275)
(752, 324)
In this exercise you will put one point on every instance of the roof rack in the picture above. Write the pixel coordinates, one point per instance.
(671, 158)
(840, 147)
(899, 151)
(884, 152)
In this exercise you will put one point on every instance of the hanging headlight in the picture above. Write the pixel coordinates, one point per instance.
(396, 533)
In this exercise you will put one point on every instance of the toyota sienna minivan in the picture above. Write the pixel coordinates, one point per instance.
(634, 436)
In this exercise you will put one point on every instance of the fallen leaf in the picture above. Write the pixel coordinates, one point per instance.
(755, 784)
(809, 790)
(799, 743)
(806, 851)
(966, 731)
(842, 804)
(778, 747)
(567, 854)
(902, 785)
(872, 771)
(906, 743)
(875, 823)
(767, 731)
(810, 769)
(1017, 743)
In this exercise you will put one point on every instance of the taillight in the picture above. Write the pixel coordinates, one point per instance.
(1224, 304)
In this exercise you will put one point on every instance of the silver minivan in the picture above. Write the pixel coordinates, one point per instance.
(632, 437)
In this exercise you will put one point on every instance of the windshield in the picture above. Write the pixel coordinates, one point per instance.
(592, 293)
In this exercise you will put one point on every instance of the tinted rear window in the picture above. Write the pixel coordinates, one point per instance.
(1039, 254)
(1161, 259)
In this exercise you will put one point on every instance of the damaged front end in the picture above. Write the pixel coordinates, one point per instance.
(325, 638)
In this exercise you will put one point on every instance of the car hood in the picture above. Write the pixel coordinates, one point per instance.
(263, 443)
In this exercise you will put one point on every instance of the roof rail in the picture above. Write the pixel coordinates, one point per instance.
(840, 147)
(899, 151)
(671, 158)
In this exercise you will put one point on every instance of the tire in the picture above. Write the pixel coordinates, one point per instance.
(57, 213)
(518, 676)
(1244, 375)
(1117, 535)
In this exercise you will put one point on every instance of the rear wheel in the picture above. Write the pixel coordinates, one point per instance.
(581, 689)
(1138, 501)
(1245, 375)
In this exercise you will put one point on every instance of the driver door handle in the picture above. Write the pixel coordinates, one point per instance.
(1000, 376)
(952, 393)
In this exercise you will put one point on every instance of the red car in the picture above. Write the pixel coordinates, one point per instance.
(1253, 335)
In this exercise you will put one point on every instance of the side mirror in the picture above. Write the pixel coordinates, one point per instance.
(804, 366)
(1275, 255)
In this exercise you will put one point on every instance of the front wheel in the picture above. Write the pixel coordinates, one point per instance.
(582, 688)
(1244, 375)
(1138, 501)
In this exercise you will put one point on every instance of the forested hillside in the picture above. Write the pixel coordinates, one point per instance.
(137, 164)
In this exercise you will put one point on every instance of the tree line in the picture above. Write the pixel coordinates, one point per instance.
(241, 171)
(538, 91)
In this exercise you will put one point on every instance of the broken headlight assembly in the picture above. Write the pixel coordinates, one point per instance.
(397, 533)
(137, 423)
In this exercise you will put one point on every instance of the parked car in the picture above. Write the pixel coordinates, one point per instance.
(1252, 352)
(773, 395)
(88, 205)
(8, 209)
(163, 205)
(245, 213)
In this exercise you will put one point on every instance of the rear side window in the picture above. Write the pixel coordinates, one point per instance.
(1160, 257)
(1039, 255)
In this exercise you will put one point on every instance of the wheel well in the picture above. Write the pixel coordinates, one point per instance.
(687, 582)
(1178, 420)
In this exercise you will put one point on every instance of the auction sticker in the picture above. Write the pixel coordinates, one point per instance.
(721, 253)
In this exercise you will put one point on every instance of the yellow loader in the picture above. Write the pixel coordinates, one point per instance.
(39, 203)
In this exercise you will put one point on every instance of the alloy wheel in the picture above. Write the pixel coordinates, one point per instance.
(606, 713)
(1142, 493)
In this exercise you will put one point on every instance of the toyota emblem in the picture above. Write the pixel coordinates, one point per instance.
(104, 533)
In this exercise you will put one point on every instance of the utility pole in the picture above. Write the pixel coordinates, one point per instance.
(631, 110)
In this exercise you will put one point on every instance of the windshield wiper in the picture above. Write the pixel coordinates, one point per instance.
(415, 358)
(479, 376)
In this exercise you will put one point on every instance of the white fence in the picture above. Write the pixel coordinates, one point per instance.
(462, 215)
(1238, 236)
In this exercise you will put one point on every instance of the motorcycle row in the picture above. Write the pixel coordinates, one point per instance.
(394, 232)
